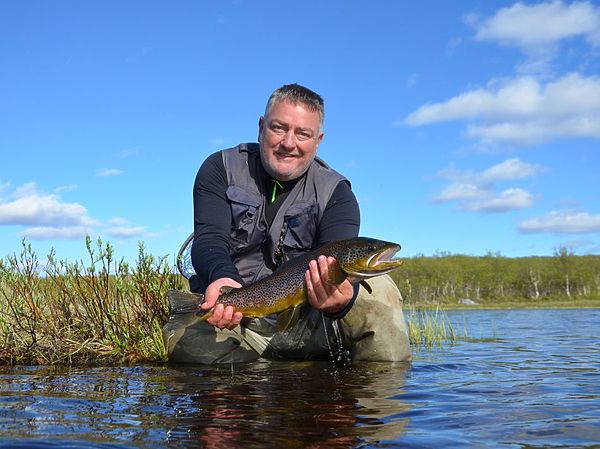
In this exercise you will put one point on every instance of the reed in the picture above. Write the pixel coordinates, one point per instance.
(428, 328)
(96, 311)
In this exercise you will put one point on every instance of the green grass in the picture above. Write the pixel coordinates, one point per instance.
(429, 328)
(97, 311)
(102, 310)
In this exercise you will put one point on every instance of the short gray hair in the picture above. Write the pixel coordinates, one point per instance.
(295, 93)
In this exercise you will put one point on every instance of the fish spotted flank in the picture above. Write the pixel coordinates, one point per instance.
(359, 258)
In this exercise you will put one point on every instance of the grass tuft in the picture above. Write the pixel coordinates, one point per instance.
(95, 311)
(428, 328)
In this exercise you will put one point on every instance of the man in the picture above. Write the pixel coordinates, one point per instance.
(259, 205)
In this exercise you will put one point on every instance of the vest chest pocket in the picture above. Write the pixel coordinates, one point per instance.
(245, 214)
(300, 225)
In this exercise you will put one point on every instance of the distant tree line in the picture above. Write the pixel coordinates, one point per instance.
(448, 277)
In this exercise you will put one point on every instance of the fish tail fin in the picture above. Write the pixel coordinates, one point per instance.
(184, 302)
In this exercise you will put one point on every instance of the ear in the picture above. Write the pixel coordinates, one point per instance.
(319, 139)
(261, 124)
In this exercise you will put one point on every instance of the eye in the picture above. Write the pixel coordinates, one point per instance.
(303, 135)
(277, 128)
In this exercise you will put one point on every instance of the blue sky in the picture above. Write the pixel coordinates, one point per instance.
(464, 126)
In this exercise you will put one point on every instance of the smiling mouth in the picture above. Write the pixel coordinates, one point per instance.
(285, 155)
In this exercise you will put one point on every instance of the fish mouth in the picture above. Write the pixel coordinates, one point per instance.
(381, 262)
(385, 259)
(383, 256)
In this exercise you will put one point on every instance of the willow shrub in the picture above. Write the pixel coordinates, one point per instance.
(98, 311)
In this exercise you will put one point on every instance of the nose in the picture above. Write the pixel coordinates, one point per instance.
(288, 140)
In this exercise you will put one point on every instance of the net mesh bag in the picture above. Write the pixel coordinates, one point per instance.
(184, 258)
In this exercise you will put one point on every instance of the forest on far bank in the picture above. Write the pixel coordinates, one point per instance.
(448, 278)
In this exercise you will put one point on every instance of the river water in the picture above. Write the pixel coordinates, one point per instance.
(522, 378)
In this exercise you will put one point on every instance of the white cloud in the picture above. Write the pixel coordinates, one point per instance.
(118, 221)
(29, 207)
(513, 168)
(528, 110)
(510, 199)
(55, 233)
(510, 169)
(27, 189)
(477, 199)
(104, 172)
(518, 98)
(120, 227)
(47, 217)
(461, 192)
(125, 231)
(477, 191)
(539, 25)
(562, 223)
(67, 188)
(538, 30)
(522, 110)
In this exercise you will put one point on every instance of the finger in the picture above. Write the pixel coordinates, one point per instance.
(323, 268)
(217, 314)
(310, 289)
(316, 280)
(235, 320)
(328, 286)
(226, 317)
(208, 303)
(210, 298)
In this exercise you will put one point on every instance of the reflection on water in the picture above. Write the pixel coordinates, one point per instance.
(523, 378)
(264, 404)
(308, 405)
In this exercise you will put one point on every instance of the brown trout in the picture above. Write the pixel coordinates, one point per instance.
(359, 258)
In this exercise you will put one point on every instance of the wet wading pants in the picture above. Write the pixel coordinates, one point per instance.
(373, 330)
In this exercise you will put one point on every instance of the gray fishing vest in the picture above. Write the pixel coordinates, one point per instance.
(257, 249)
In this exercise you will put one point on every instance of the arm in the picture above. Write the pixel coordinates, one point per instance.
(210, 249)
(341, 219)
(212, 222)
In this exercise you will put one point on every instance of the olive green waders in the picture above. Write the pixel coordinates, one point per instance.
(373, 330)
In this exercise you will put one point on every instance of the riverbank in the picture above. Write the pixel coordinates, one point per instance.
(106, 311)
(550, 303)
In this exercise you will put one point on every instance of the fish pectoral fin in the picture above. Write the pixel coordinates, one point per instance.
(366, 286)
(288, 318)
(336, 275)
(184, 302)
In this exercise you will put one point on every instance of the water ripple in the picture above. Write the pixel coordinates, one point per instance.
(514, 383)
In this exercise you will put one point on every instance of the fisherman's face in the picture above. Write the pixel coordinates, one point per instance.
(289, 136)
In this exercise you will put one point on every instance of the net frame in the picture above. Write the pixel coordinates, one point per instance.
(184, 258)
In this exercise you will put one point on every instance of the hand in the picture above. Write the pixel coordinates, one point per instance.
(222, 317)
(323, 294)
